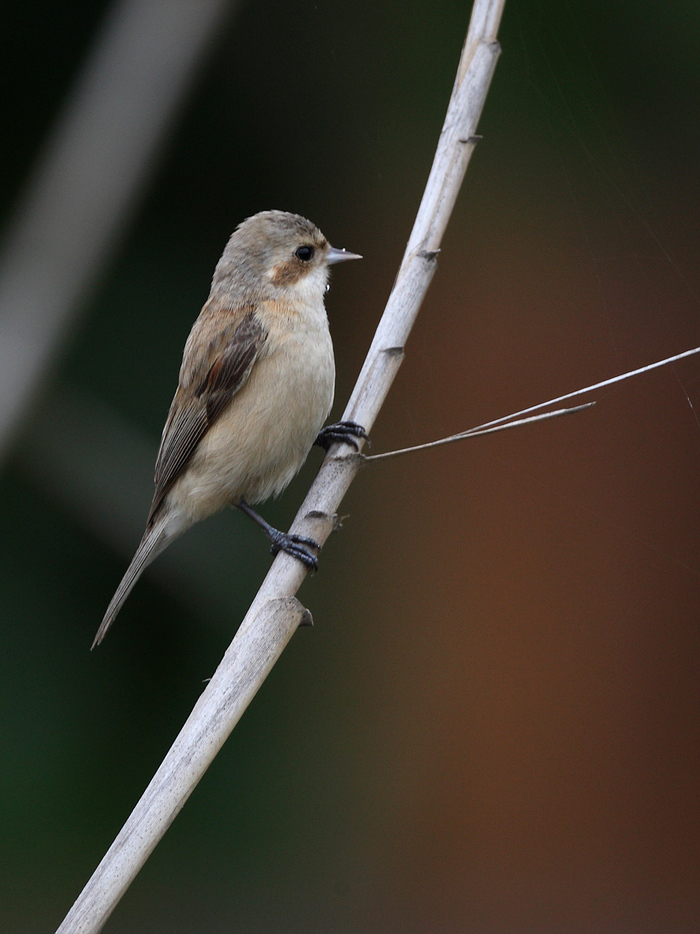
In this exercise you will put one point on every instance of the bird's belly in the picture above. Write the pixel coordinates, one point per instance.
(261, 440)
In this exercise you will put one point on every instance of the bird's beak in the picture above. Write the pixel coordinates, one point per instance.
(339, 256)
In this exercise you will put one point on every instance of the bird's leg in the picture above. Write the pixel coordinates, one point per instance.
(295, 545)
(347, 432)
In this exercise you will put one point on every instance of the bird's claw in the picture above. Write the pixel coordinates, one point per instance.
(347, 432)
(297, 546)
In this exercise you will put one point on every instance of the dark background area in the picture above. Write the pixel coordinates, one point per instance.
(493, 725)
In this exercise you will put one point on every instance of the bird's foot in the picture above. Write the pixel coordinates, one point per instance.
(295, 545)
(347, 432)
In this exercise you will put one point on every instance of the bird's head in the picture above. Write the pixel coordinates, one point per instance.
(277, 252)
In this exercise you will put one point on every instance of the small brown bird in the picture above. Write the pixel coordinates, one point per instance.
(256, 384)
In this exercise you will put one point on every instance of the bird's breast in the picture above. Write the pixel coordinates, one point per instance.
(260, 441)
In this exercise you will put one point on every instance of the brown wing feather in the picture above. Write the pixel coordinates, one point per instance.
(231, 368)
(197, 405)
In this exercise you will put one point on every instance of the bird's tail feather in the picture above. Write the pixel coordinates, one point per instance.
(155, 540)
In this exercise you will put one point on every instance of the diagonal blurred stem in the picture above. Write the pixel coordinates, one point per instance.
(275, 612)
(88, 178)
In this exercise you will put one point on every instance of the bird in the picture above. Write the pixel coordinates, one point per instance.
(255, 387)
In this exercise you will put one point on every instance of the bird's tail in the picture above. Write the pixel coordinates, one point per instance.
(155, 539)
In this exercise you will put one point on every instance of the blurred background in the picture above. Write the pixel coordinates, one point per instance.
(493, 725)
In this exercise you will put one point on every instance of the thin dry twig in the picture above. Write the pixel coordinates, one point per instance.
(476, 433)
(275, 613)
(513, 420)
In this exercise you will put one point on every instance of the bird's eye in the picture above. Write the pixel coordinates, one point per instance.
(304, 253)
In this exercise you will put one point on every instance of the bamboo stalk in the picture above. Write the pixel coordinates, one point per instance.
(88, 179)
(275, 613)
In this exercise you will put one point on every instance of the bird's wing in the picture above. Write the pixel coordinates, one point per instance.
(208, 383)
